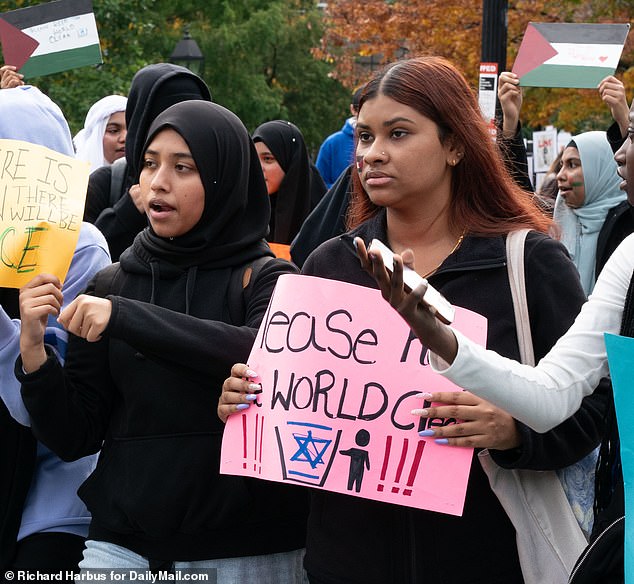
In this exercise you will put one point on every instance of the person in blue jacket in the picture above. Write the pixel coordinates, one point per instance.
(335, 152)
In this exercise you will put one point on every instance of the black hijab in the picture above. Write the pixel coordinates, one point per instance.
(302, 186)
(153, 89)
(235, 219)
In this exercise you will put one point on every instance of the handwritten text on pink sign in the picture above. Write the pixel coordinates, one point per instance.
(340, 371)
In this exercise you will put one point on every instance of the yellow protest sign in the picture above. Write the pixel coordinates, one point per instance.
(42, 197)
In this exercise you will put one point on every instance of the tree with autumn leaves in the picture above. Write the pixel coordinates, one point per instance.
(377, 31)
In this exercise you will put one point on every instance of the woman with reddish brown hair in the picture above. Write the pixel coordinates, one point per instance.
(429, 179)
(484, 198)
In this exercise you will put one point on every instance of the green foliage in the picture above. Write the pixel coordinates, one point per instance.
(259, 65)
(258, 59)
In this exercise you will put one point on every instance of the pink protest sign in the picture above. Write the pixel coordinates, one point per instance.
(339, 371)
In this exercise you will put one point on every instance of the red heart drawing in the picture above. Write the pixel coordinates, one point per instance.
(602, 59)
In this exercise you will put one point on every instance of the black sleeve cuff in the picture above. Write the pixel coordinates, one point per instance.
(50, 363)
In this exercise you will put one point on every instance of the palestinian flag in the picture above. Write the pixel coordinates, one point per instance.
(569, 54)
(50, 37)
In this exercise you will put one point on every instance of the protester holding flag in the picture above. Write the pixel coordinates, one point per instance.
(149, 344)
(43, 523)
(455, 210)
(544, 395)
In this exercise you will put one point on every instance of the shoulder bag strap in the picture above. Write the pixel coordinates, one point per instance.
(515, 265)
(549, 539)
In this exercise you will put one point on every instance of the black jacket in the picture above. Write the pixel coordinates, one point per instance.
(353, 540)
(326, 220)
(151, 400)
(618, 224)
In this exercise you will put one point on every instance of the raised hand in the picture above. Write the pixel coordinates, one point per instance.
(510, 96)
(410, 305)
(612, 92)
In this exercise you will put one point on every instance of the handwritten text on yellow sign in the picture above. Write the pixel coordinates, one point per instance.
(42, 196)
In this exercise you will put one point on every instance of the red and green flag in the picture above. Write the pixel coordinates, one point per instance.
(569, 54)
(50, 37)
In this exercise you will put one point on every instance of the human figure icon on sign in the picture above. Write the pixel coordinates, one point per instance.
(359, 460)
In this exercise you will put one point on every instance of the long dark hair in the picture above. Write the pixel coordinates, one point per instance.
(485, 199)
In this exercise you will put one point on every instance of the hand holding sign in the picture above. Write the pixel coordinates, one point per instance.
(482, 425)
(39, 299)
(334, 374)
(238, 391)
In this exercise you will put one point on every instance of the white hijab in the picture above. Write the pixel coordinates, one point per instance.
(89, 140)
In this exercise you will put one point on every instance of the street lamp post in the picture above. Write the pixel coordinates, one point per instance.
(188, 54)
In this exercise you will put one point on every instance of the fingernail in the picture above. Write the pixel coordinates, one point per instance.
(251, 373)
(254, 387)
(251, 397)
(242, 406)
(441, 441)
(424, 433)
(423, 395)
(421, 413)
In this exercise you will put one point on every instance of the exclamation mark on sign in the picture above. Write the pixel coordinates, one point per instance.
(261, 441)
(386, 461)
(244, 440)
(255, 446)
(411, 477)
(412, 471)
(401, 464)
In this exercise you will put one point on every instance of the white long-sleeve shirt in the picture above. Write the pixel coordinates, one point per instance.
(545, 395)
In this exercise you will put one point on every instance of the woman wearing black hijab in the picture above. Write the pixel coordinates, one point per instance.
(108, 203)
(146, 360)
(283, 153)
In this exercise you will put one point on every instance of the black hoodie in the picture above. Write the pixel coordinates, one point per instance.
(149, 389)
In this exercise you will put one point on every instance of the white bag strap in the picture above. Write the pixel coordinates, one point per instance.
(515, 265)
